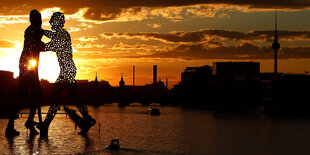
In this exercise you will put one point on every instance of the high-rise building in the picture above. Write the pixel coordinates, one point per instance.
(198, 74)
(236, 68)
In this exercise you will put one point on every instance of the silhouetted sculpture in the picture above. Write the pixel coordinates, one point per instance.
(61, 44)
(28, 73)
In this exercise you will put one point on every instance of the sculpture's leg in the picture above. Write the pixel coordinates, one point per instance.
(21, 97)
(52, 110)
(48, 119)
(37, 99)
(10, 131)
(88, 121)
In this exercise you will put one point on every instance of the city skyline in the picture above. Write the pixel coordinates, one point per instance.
(154, 76)
(109, 38)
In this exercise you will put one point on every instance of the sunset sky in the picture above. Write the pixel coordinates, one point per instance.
(110, 36)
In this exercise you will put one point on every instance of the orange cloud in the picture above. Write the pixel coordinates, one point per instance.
(74, 29)
(88, 45)
(122, 46)
(6, 44)
(205, 11)
(242, 51)
(12, 19)
(207, 34)
(155, 26)
(87, 38)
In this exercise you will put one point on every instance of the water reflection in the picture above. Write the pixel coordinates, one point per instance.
(30, 143)
(10, 142)
(176, 130)
(44, 143)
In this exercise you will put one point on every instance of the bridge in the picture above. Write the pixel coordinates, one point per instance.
(143, 94)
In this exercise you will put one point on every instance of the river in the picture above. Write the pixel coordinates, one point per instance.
(176, 131)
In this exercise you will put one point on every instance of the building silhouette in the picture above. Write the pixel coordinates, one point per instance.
(239, 86)
(8, 91)
(93, 92)
(285, 93)
(196, 83)
(224, 85)
(155, 92)
(236, 68)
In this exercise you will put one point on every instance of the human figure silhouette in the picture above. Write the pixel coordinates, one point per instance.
(61, 44)
(28, 74)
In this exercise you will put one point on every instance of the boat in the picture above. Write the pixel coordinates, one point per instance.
(153, 111)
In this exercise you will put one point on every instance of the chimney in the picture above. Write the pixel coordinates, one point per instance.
(133, 75)
(155, 74)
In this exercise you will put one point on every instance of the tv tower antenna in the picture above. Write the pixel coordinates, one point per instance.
(276, 44)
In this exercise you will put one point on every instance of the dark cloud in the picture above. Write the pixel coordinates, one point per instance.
(203, 35)
(237, 52)
(110, 9)
(208, 44)
(6, 44)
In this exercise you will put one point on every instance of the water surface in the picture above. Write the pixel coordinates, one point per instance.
(175, 131)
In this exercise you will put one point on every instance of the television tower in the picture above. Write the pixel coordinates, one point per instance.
(276, 44)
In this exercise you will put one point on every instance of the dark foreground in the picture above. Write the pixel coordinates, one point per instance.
(174, 131)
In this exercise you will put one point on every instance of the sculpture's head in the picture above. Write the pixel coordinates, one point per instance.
(57, 20)
(35, 18)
